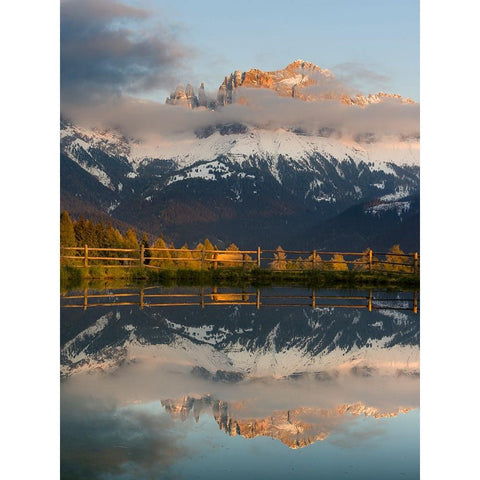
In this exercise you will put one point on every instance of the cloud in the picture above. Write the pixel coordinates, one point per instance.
(389, 117)
(111, 48)
(358, 75)
(347, 437)
(263, 109)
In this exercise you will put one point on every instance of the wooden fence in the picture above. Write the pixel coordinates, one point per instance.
(210, 296)
(279, 259)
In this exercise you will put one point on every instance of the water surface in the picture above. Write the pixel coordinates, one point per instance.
(232, 383)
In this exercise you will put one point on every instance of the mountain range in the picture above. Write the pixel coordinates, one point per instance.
(231, 180)
(296, 80)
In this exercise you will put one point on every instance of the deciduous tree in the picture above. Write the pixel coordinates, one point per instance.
(338, 263)
(161, 258)
(279, 260)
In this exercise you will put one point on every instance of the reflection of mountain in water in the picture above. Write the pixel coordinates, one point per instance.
(252, 342)
(295, 428)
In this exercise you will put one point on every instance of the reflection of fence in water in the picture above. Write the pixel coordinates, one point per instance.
(147, 297)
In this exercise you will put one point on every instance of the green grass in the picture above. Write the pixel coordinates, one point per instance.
(76, 277)
(71, 277)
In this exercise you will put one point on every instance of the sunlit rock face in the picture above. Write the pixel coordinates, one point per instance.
(287, 82)
(300, 79)
(295, 428)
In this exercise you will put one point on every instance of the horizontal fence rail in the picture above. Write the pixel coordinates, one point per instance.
(204, 297)
(279, 259)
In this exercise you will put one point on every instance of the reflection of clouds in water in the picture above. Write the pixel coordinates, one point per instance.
(100, 441)
(147, 381)
(143, 383)
(346, 436)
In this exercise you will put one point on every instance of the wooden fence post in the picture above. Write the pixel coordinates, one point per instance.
(258, 299)
(314, 258)
(203, 260)
(370, 301)
(142, 254)
(370, 260)
(313, 299)
(258, 257)
(141, 298)
(85, 298)
(415, 263)
(243, 260)
(415, 302)
(215, 263)
(86, 255)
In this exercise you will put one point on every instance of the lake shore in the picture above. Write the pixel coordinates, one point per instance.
(73, 277)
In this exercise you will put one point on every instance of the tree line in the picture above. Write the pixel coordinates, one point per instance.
(391, 262)
(81, 232)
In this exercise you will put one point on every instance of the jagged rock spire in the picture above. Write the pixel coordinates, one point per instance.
(183, 96)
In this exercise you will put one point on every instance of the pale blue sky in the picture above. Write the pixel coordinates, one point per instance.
(380, 37)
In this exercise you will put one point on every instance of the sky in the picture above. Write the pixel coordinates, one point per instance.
(155, 44)
(379, 39)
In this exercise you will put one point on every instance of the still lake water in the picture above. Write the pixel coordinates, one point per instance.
(214, 383)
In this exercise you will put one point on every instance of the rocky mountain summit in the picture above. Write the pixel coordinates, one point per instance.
(287, 82)
(187, 97)
(300, 79)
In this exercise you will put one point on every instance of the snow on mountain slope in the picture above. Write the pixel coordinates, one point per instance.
(186, 149)
(270, 144)
(292, 174)
(108, 141)
(78, 151)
